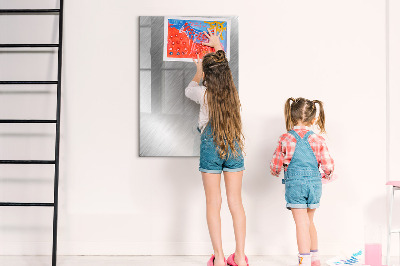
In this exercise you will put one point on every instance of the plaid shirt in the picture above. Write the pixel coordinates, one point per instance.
(287, 144)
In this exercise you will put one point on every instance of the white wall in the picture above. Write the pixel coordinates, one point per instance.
(113, 202)
(393, 109)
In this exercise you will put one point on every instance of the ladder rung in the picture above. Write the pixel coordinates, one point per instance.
(27, 121)
(35, 45)
(27, 161)
(395, 231)
(6, 11)
(29, 82)
(38, 204)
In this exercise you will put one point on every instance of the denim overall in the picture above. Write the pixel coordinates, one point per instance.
(211, 162)
(302, 181)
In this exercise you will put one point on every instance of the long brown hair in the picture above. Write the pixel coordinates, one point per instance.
(303, 110)
(223, 104)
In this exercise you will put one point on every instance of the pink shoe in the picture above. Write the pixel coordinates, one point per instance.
(211, 261)
(316, 263)
(231, 260)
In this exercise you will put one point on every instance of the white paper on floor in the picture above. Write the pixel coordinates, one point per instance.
(350, 258)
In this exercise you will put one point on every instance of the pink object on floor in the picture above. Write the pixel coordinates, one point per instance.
(211, 260)
(231, 260)
(373, 254)
(393, 183)
(316, 263)
(326, 181)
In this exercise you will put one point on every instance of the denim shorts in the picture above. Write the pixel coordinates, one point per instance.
(210, 160)
(303, 193)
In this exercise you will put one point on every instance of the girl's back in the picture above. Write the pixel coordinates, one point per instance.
(287, 146)
(302, 153)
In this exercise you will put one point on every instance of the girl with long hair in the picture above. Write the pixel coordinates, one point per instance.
(221, 147)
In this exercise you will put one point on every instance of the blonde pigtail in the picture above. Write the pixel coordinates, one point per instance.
(321, 116)
(288, 114)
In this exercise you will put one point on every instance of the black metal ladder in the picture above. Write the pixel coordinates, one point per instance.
(57, 82)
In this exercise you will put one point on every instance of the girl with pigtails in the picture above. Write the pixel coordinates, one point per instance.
(302, 154)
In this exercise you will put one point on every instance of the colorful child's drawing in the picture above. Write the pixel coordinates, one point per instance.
(183, 37)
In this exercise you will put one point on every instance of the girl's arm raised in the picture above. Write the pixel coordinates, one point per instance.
(194, 91)
(213, 39)
(199, 71)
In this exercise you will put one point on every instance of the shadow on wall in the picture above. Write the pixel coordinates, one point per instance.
(259, 186)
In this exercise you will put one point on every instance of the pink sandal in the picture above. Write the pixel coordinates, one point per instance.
(231, 260)
(211, 261)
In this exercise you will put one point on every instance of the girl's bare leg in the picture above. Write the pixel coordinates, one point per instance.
(212, 188)
(233, 183)
(313, 230)
(302, 221)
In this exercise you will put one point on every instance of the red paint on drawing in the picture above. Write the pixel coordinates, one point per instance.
(181, 46)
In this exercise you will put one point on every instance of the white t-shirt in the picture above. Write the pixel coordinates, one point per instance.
(196, 93)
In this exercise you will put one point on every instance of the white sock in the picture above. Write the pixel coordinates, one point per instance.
(314, 255)
(304, 260)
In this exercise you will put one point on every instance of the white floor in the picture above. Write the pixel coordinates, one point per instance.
(142, 260)
(135, 260)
